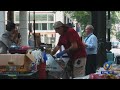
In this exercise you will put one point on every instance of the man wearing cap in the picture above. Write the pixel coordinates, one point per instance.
(74, 47)
(70, 25)
(62, 47)
(8, 37)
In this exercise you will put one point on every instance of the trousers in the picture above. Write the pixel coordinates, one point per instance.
(76, 68)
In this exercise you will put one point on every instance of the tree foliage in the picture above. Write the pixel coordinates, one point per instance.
(118, 35)
(115, 19)
(82, 17)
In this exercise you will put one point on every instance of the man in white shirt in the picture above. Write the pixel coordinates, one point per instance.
(91, 44)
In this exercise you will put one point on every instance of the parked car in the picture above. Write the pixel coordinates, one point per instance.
(115, 44)
(118, 45)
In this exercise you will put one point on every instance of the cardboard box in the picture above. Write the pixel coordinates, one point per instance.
(21, 62)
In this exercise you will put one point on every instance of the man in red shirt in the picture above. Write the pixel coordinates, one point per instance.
(74, 47)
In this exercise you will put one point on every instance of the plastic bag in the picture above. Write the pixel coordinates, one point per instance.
(38, 56)
(52, 65)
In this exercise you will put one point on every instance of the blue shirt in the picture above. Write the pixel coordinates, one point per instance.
(92, 44)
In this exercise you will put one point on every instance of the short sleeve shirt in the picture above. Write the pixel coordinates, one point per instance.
(72, 36)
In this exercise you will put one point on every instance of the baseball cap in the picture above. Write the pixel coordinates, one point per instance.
(57, 24)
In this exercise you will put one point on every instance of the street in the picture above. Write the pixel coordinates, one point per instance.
(116, 51)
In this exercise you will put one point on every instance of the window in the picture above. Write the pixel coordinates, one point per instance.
(16, 16)
(38, 17)
(44, 26)
(43, 21)
(50, 17)
(38, 26)
(50, 26)
(41, 17)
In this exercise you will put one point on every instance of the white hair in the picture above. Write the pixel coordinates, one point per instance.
(90, 27)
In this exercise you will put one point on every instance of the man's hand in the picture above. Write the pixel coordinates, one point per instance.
(60, 54)
(85, 44)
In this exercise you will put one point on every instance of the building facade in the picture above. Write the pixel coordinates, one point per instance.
(44, 21)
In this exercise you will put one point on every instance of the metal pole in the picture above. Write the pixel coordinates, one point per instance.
(10, 16)
(29, 21)
(108, 25)
(34, 29)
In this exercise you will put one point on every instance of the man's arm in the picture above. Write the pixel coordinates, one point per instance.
(92, 43)
(55, 50)
(73, 47)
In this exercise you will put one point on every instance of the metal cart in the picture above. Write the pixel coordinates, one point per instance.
(57, 68)
(16, 75)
